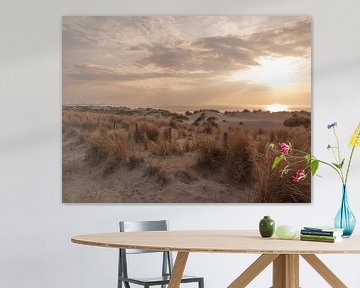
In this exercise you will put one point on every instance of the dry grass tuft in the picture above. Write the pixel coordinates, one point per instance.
(135, 161)
(209, 153)
(98, 149)
(199, 119)
(151, 130)
(297, 121)
(241, 166)
(174, 123)
(110, 147)
(165, 148)
(146, 130)
(159, 174)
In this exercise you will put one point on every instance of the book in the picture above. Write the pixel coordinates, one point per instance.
(320, 237)
(324, 240)
(321, 233)
(323, 228)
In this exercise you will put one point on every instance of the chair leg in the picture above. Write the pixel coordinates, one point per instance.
(120, 270)
(201, 283)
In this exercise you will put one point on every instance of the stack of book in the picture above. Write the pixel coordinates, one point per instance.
(321, 234)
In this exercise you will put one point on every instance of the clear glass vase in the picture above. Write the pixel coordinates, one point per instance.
(345, 219)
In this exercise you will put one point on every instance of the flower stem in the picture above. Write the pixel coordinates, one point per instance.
(337, 171)
(338, 145)
(299, 151)
(333, 152)
(296, 162)
(339, 155)
(348, 167)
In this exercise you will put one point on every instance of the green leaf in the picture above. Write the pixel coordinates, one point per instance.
(307, 157)
(339, 166)
(272, 145)
(314, 167)
(276, 162)
(283, 157)
(342, 163)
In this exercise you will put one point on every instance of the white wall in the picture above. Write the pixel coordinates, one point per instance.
(35, 227)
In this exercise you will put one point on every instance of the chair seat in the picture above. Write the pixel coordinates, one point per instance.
(158, 280)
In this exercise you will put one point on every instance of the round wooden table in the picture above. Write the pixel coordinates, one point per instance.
(284, 254)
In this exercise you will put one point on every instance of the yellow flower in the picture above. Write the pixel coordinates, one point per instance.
(355, 138)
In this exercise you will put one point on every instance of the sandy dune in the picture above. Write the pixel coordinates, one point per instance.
(160, 176)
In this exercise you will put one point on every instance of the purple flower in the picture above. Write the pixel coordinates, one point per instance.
(332, 125)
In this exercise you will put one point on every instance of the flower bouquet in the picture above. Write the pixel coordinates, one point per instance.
(290, 157)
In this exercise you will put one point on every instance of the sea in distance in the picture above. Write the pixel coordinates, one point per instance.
(183, 109)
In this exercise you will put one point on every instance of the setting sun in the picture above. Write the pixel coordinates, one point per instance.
(276, 108)
(276, 72)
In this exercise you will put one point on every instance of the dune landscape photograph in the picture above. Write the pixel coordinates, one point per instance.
(184, 109)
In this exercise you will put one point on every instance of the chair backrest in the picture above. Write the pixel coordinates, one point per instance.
(138, 226)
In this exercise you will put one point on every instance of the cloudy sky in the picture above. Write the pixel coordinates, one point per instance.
(184, 61)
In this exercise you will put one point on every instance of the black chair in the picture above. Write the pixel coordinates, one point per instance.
(167, 265)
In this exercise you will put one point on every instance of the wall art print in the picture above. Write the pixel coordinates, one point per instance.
(160, 109)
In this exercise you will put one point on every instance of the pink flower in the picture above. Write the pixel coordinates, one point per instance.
(300, 174)
(285, 148)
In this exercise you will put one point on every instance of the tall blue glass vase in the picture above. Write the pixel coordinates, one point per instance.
(345, 219)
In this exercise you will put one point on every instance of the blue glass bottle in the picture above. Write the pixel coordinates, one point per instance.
(345, 219)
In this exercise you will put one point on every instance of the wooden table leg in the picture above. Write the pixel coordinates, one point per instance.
(286, 271)
(324, 271)
(178, 269)
(279, 271)
(293, 261)
(253, 270)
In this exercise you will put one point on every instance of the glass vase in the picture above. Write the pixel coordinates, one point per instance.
(345, 219)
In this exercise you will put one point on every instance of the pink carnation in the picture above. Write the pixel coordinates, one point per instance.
(300, 174)
(285, 148)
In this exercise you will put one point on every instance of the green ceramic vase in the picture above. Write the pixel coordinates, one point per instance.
(267, 227)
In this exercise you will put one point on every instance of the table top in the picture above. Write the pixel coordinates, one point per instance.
(217, 241)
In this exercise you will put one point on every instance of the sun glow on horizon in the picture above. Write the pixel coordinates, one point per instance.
(276, 108)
